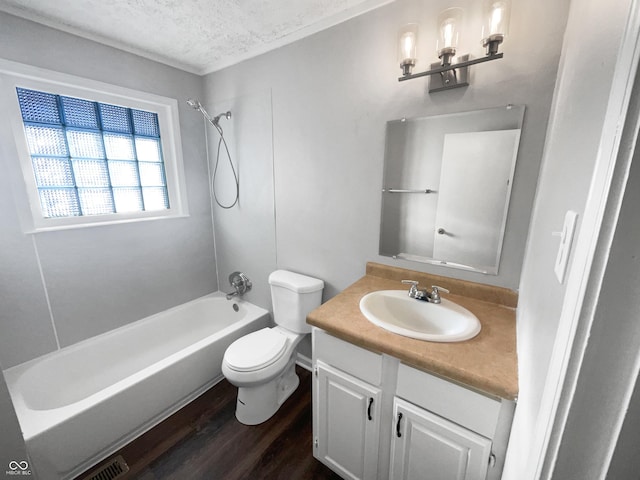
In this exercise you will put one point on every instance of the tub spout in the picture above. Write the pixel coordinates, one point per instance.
(231, 295)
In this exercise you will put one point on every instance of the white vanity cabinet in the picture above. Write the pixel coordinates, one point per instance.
(443, 430)
(376, 418)
(347, 409)
(426, 446)
(348, 429)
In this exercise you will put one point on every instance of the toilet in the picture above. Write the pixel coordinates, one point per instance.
(262, 364)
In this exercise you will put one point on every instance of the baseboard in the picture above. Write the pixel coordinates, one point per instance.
(303, 361)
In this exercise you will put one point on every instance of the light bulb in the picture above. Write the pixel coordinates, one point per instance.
(495, 25)
(448, 25)
(408, 45)
(497, 14)
(408, 38)
(447, 34)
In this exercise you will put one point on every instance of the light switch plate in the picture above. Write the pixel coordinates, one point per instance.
(564, 249)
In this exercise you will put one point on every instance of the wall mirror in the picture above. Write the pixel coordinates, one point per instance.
(446, 187)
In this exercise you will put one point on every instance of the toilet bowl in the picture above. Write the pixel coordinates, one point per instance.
(262, 363)
(262, 366)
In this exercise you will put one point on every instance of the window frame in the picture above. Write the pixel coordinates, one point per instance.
(14, 75)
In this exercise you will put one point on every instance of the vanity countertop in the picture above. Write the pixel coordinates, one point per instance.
(487, 362)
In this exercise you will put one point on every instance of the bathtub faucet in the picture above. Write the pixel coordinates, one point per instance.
(240, 282)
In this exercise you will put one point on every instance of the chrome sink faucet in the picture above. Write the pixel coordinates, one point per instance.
(432, 297)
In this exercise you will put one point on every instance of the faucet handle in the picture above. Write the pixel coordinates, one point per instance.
(240, 282)
(436, 288)
(434, 296)
(413, 290)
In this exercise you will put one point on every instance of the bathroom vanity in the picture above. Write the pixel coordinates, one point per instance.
(389, 406)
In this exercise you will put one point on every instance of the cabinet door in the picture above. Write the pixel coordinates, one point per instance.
(428, 447)
(347, 413)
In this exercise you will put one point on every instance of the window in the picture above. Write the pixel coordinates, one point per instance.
(92, 158)
(92, 153)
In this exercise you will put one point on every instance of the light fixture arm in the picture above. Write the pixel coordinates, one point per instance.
(453, 66)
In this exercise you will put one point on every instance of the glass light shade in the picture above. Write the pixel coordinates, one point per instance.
(449, 22)
(496, 18)
(407, 40)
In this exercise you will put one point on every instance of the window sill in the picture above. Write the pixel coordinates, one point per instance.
(102, 222)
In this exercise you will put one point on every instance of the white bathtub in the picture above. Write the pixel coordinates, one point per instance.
(78, 405)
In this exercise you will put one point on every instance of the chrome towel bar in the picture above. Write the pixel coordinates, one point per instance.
(399, 190)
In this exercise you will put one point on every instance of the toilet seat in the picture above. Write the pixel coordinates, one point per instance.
(256, 350)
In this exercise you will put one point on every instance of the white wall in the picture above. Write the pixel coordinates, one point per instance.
(590, 52)
(12, 447)
(602, 430)
(610, 365)
(98, 278)
(625, 462)
(332, 94)
(245, 234)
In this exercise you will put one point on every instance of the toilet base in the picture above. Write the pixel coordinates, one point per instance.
(258, 404)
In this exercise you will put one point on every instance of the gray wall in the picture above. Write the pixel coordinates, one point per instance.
(332, 94)
(573, 144)
(98, 278)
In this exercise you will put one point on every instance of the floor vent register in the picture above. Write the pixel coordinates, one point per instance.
(111, 470)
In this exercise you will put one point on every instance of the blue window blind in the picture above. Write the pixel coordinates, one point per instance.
(92, 158)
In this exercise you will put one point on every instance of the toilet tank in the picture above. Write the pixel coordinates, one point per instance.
(294, 296)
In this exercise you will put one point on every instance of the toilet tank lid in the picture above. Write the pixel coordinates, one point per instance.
(295, 281)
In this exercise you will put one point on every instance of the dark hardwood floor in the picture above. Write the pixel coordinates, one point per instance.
(204, 441)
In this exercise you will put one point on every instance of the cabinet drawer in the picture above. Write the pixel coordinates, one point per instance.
(458, 404)
(356, 361)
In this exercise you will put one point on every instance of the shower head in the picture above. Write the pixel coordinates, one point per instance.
(217, 118)
(194, 104)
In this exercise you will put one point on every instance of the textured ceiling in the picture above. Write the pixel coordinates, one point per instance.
(199, 36)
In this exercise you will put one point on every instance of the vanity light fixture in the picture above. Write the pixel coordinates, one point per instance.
(445, 74)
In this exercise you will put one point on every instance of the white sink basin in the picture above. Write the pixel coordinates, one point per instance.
(396, 312)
